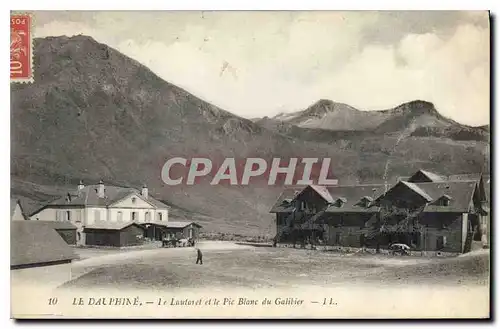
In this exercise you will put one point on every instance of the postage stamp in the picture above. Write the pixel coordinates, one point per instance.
(21, 48)
(306, 164)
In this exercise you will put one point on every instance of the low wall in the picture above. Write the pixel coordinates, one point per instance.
(366, 250)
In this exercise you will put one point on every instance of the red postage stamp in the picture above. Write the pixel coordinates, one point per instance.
(21, 48)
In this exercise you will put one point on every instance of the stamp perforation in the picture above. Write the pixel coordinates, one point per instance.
(31, 44)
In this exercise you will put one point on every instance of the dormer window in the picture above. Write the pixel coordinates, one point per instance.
(366, 201)
(445, 200)
(340, 202)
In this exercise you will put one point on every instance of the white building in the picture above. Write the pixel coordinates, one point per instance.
(93, 204)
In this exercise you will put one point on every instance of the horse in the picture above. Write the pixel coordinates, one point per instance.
(183, 242)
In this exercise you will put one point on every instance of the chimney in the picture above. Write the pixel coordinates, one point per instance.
(80, 186)
(100, 189)
(144, 191)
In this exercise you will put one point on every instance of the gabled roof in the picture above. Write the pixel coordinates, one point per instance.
(464, 177)
(323, 192)
(415, 188)
(460, 193)
(14, 203)
(429, 176)
(105, 225)
(180, 224)
(288, 193)
(33, 242)
(88, 196)
(56, 225)
(353, 196)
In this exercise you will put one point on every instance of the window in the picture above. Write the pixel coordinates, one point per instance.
(338, 238)
(441, 242)
(362, 240)
(68, 215)
(147, 217)
(134, 216)
(120, 216)
(97, 215)
(134, 199)
(160, 216)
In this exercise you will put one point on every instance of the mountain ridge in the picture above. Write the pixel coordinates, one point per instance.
(418, 117)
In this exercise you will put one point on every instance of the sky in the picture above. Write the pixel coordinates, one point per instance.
(263, 63)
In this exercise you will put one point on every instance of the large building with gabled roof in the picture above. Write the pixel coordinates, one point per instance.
(99, 205)
(427, 211)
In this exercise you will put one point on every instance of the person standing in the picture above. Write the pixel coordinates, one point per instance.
(199, 258)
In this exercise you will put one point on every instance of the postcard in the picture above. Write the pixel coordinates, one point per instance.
(250, 164)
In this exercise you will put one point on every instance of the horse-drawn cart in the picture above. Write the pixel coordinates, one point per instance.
(175, 242)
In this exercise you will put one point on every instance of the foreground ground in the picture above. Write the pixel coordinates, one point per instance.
(230, 265)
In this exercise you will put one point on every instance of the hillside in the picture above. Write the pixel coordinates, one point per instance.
(93, 113)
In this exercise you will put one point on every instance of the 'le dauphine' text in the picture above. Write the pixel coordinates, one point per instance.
(172, 301)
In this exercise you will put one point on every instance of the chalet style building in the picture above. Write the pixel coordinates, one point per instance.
(100, 210)
(429, 212)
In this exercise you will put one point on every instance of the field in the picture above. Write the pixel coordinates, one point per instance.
(228, 265)
(240, 281)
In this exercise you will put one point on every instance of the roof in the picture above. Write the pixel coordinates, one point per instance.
(33, 242)
(455, 177)
(88, 196)
(353, 196)
(460, 192)
(323, 192)
(13, 204)
(180, 224)
(288, 194)
(56, 225)
(104, 225)
(464, 177)
(414, 187)
(429, 175)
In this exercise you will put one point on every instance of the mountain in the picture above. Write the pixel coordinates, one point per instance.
(418, 118)
(93, 113)
(326, 114)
